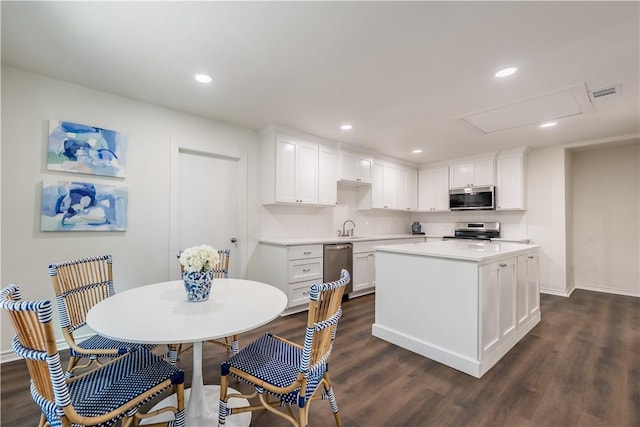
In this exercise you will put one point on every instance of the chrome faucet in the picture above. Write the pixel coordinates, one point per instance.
(344, 232)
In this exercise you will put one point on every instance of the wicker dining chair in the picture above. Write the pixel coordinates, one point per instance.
(79, 285)
(220, 270)
(103, 396)
(290, 372)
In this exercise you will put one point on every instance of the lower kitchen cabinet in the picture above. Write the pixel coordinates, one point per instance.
(497, 303)
(527, 292)
(292, 269)
(364, 273)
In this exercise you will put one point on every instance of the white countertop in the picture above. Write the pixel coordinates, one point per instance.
(323, 240)
(460, 249)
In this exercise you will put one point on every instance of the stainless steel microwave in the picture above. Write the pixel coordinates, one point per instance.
(472, 198)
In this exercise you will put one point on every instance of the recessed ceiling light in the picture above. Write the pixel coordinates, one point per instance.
(417, 151)
(548, 124)
(346, 127)
(204, 78)
(506, 72)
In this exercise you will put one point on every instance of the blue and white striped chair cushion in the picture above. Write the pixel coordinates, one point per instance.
(277, 363)
(98, 342)
(115, 384)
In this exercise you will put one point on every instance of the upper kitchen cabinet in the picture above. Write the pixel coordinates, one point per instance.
(510, 183)
(474, 173)
(296, 170)
(433, 189)
(393, 187)
(355, 167)
(384, 183)
(407, 185)
(327, 176)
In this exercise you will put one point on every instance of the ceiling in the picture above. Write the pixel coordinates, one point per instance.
(402, 73)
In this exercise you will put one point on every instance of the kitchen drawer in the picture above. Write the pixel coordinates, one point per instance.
(299, 293)
(305, 269)
(305, 251)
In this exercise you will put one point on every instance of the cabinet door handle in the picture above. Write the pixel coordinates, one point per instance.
(358, 179)
(305, 292)
(530, 256)
(306, 270)
(307, 253)
(503, 265)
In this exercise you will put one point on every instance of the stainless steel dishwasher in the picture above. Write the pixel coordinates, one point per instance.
(336, 257)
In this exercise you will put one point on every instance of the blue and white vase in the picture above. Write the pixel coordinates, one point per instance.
(197, 284)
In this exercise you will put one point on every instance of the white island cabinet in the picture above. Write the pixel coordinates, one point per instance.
(461, 303)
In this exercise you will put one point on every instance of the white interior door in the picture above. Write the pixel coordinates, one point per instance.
(208, 191)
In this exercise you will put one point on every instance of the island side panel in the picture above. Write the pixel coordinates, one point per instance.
(429, 305)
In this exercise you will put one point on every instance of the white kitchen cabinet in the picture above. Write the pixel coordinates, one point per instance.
(433, 189)
(364, 272)
(407, 189)
(474, 173)
(384, 185)
(289, 170)
(510, 175)
(527, 290)
(393, 187)
(292, 269)
(327, 176)
(355, 167)
(295, 170)
(497, 303)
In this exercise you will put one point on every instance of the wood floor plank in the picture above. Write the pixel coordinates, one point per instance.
(579, 367)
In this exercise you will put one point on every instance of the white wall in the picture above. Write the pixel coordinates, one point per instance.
(296, 221)
(606, 233)
(141, 253)
(546, 216)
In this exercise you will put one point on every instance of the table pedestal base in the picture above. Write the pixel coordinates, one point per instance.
(212, 397)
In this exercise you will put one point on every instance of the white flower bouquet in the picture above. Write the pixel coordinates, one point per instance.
(199, 258)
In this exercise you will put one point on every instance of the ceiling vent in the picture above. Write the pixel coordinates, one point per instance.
(571, 101)
(605, 93)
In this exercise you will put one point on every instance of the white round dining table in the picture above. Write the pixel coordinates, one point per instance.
(159, 313)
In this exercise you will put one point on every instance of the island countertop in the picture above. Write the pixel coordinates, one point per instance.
(463, 250)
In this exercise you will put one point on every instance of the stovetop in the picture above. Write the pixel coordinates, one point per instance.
(475, 231)
(467, 238)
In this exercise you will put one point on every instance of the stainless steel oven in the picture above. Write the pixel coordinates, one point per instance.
(475, 231)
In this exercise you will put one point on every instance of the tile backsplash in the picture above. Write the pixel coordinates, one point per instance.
(286, 221)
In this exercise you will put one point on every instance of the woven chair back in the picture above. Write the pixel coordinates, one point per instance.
(34, 340)
(322, 320)
(79, 285)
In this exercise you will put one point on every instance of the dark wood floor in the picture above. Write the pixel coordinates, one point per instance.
(579, 367)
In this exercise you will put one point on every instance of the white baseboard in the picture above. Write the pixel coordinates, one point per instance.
(614, 291)
(557, 292)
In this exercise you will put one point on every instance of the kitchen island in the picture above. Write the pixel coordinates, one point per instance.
(462, 303)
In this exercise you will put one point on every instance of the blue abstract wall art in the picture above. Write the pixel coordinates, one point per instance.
(83, 206)
(79, 148)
